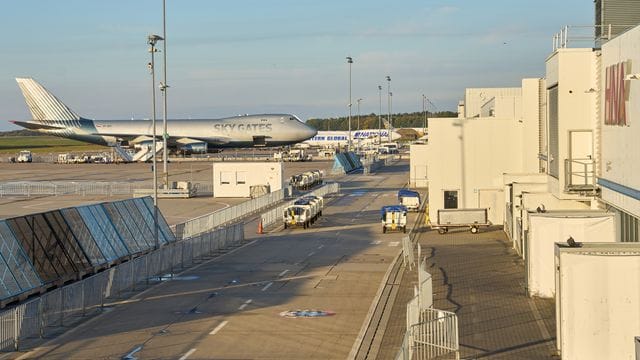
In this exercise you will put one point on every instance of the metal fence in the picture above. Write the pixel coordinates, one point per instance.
(275, 215)
(435, 336)
(210, 221)
(370, 165)
(84, 188)
(431, 333)
(423, 294)
(407, 253)
(68, 305)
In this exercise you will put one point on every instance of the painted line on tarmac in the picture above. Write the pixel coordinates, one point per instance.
(130, 356)
(311, 254)
(320, 247)
(267, 286)
(37, 205)
(219, 327)
(394, 243)
(376, 242)
(246, 303)
(282, 273)
(186, 356)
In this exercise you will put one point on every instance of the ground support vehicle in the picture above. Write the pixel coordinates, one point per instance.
(318, 199)
(24, 157)
(471, 218)
(394, 217)
(313, 205)
(410, 199)
(306, 180)
(297, 215)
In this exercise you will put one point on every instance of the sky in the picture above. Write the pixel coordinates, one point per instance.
(226, 58)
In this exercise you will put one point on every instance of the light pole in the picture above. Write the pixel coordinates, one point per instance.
(358, 101)
(152, 40)
(424, 110)
(349, 61)
(163, 89)
(380, 115)
(389, 106)
(390, 111)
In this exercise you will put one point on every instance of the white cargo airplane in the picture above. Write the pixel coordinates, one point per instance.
(341, 138)
(52, 117)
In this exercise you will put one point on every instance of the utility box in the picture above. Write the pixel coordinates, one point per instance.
(235, 179)
(551, 227)
(597, 300)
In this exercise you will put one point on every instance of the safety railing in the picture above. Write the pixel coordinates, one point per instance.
(217, 218)
(586, 35)
(407, 252)
(370, 165)
(435, 336)
(83, 188)
(67, 305)
(580, 175)
(431, 333)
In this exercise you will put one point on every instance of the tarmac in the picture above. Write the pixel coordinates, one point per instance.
(482, 279)
(477, 276)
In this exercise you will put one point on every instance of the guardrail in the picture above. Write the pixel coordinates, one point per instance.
(434, 336)
(580, 175)
(592, 36)
(431, 333)
(84, 188)
(67, 305)
(275, 215)
(210, 221)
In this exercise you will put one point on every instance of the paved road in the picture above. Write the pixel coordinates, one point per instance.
(230, 307)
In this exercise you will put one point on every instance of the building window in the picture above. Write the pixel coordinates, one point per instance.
(451, 199)
(241, 177)
(226, 177)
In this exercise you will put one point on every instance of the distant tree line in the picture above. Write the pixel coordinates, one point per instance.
(19, 133)
(370, 121)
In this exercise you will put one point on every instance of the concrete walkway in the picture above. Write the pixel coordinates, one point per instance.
(481, 279)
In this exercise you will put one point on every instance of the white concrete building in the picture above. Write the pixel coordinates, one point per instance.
(467, 157)
(235, 179)
(619, 176)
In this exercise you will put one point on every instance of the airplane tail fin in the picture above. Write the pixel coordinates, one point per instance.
(43, 104)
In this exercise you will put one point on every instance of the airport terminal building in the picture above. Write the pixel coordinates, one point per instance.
(557, 161)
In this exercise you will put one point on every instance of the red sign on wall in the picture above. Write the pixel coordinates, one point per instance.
(614, 102)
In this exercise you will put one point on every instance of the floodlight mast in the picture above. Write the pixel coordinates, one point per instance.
(152, 40)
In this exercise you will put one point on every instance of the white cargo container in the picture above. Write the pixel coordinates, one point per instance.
(550, 227)
(471, 218)
(597, 300)
(235, 179)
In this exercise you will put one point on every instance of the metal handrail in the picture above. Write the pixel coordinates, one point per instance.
(570, 34)
(580, 174)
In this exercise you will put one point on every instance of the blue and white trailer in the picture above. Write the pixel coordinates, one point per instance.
(410, 199)
(394, 217)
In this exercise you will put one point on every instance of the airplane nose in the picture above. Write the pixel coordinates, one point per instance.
(309, 132)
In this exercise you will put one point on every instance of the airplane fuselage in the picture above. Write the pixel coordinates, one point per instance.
(51, 116)
(238, 131)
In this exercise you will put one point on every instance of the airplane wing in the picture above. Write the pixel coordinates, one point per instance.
(37, 125)
(218, 140)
